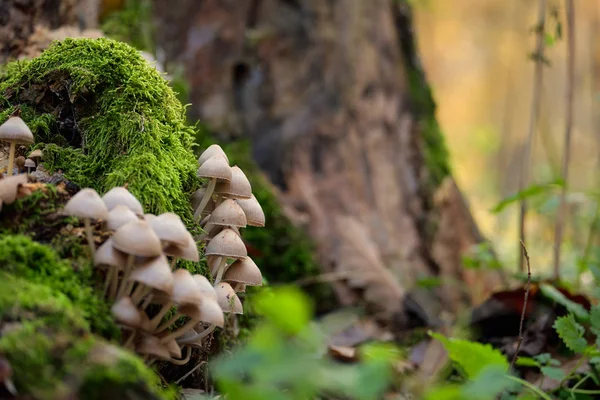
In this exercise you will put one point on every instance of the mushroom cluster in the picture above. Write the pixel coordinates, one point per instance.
(223, 208)
(15, 131)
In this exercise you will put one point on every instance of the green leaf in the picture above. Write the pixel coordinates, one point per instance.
(472, 357)
(286, 307)
(531, 191)
(595, 319)
(527, 362)
(553, 294)
(489, 383)
(571, 333)
(549, 39)
(553, 373)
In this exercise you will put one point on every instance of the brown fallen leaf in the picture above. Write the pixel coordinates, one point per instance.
(343, 353)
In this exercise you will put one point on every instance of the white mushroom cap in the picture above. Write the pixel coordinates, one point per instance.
(9, 187)
(119, 216)
(120, 195)
(185, 289)
(187, 252)
(227, 298)
(108, 255)
(29, 163)
(226, 244)
(205, 286)
(86, 204)
(244, 271)
(154, 273)
(15, 130)
(170, 228)
(254, 212)
(125, 312)
(215, 167)
(212, 150)
(211, 312)
(137, 238)
(238, 187)
(228, 213)
(150, 345)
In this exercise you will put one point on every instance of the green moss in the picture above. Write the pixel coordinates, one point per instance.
(120, 122)
(38, 263)
(132, 24)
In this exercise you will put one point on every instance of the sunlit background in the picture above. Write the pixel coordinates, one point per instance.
(476, 55)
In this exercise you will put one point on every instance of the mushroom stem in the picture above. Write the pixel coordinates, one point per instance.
(108, 280)
(11, 159)
(221, 269)
(90, 237)
(147, 301)
(207, 196)
(197, 337)
(178, 332)
(130, 339)
(139, 293)
(207, 230)
(173, 263)
(126, 273)
(170, 322)
(214, 263)
(185, 360)
(158, 317)
(238, 286)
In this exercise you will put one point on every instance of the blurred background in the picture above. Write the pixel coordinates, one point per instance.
(476, 56)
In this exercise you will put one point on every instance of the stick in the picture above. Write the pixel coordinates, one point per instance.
(560, 218)
(527, 288)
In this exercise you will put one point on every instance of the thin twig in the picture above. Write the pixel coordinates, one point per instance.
(527, 288)
(535, 111)
(560, 218)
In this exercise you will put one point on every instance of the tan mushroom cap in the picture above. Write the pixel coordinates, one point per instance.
(185, 289)
(227, 298)
(187, 252)
(215, 167)
(226, 244)
(125, 312)
(170, 228)
(15, 130)
(154, 273)
(254, 212)
(119, 216)
(29, 163)
(173, 348)
(244, 271)
(9, 187)
(86, 204)
(211, 312)
(238, 187)
(37, 153)
(137, 238)
(149, 217)
(120, 195)
(228, 213)
(205, 287)
(108, 255)
(218, 229)
(211, 151)
(151, 346)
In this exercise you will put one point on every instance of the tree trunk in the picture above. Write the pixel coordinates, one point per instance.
(333, 99)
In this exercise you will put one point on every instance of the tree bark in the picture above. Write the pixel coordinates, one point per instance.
(333, 99)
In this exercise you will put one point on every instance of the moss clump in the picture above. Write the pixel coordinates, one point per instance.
(106, 118)
(37, 263)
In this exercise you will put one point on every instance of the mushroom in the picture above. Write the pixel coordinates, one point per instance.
(120, 195)
(238, 187)
(215, 168)
(119, 216)
(136, 238)
(209, 300)
(6, 374)
(36, 156)
(207, 310)
(9, 188)
(197, 199)
(226, 244)
(87, 204)
(20, 163)
(152, 274)
(212, 150)
(15, 131)
(227, 298)
(187, 252)
(228, 213)
(254, 212)
(29, 164)
(170, 229)
(126, 313)
(151, 346)
(185, 292)
(115, 260)
(243, 272)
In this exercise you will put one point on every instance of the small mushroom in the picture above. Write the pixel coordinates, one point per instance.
(216, 169)
(170, 229)
(185, 292)
(115, 260)
(120, 195)
(243, 271)
(36, 156)
(9, 188)
(238, 187)
(207, 310)
(227, 298)
(212, 150)
(20, 163)
(228, 213)
(87, 204)
(187, 252)
(153, 274)
(211, 312)
(29, 164)
(254, 212)
(15, 131)
(119, 216)
(226, 244)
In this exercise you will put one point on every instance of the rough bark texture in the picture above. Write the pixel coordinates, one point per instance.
(333, 99)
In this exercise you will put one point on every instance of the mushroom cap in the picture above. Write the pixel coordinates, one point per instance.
(205, 287)
(120, 195)
(211, 312)
(149, 217)
(228, 213)
(215, 167)
(169, 228)
(187, 252)
(226, 243)
(15, 130)
(227, 298)
(254, 212)
(108, 255)
(9, 187)
(154, 273)
(119, 216)
(29, 163)
(212, 150)
(137, 238)
(185, 289)
(241, 288)
(244, 271)
(238, 187)
(20, 162)
(173, 348)
(37, 153)
(150, 345)
(125, 312)
(86, 204)
(218, 229)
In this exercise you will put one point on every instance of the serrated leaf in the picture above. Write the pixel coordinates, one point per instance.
(472, 357)
(571, 333)
(555, 295)
(553, 373)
